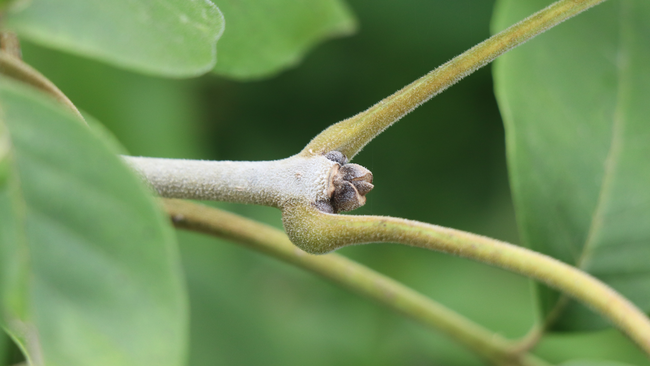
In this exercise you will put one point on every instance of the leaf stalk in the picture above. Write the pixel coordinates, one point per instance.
(351, 135)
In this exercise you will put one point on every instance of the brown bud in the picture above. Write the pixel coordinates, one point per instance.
(349, 184)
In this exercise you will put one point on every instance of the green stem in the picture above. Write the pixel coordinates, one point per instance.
(351, 275)
(318, 232)
(351, 135)
(15, 68)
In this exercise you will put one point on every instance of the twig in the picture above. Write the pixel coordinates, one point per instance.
(270, 183)
(318, 232)
(315, 230)
(348, 137)
(351, 135)
(351, 275)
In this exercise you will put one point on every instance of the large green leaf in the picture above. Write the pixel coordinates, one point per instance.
(264, 36)
(96, 277)
(161, 37)
(575, 106)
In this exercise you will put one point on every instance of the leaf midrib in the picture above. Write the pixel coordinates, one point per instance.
(613, 154)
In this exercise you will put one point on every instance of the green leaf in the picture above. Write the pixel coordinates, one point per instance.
(96, 277)
(575, 106)
(161, 37)
(265, 36)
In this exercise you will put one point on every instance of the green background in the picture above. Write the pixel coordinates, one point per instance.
(444, 164)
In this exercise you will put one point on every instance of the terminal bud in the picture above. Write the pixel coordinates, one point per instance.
(348, 186)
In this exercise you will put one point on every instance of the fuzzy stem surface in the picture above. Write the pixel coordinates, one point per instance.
(273, 183)
(351, 135)
(351, 275)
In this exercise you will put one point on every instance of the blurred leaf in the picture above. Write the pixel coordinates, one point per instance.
(161, 37)
(150, 116)
(263, 37)
(104, 284)
(575, 106)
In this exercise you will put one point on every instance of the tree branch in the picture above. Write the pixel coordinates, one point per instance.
(270, 183)
(351, 275)
(313, 228)
(348, 137)
(326, 181)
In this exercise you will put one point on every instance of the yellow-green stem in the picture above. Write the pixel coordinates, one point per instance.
(15, 68)
(318, 232)
(351, 135)
(351, 275)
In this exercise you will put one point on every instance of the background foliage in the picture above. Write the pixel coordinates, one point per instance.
(249, 310)
(575, 111)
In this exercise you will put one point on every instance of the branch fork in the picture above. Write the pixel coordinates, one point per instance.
(312, 187)
(309, 211)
